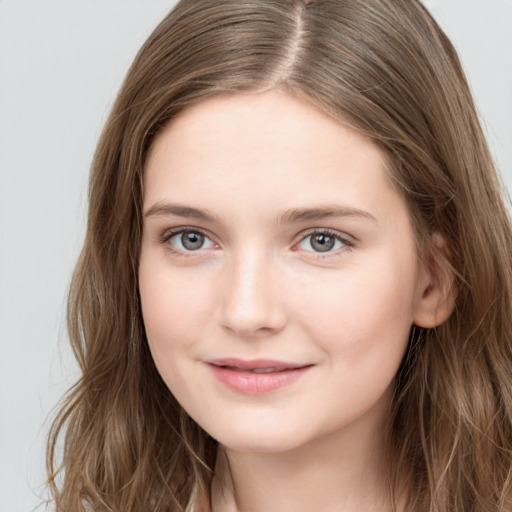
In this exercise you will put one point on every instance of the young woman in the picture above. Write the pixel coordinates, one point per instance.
(295, 288)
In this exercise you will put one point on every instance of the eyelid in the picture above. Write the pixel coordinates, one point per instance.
(347, 241)
(168, 234)
(341, 235)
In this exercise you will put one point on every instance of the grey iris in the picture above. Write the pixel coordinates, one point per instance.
(322, 243)
(192, 241)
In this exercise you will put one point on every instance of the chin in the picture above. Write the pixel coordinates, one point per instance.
(257, 438)
(260, 444)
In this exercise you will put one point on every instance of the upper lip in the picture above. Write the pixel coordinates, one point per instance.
(255, 364)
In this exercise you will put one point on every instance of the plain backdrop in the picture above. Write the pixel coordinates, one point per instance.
(61, 63)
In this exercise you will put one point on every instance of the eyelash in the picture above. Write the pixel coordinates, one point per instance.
(347, 243)
(169, 234)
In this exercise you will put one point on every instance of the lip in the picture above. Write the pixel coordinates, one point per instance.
(257, 376)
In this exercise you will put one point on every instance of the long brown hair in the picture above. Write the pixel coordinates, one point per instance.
(386, 68)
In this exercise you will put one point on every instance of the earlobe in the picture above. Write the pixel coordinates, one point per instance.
(437, 292)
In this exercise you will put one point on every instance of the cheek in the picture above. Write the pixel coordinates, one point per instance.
(362, 314)
(177, 314)
(175, 308)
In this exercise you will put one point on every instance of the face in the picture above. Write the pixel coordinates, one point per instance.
(279, 275)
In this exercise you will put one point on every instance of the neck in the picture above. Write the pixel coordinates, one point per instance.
(343, 471)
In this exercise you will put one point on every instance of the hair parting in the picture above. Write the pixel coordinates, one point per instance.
(385, 68)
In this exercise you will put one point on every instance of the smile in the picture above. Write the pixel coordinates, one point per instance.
(256, 377)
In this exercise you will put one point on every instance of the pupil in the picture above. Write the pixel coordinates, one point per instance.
(322, 243)
(192, 241)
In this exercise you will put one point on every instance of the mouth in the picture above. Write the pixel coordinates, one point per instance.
(256, 370)
(256, 377)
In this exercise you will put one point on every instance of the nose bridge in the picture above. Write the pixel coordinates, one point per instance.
(251, 300)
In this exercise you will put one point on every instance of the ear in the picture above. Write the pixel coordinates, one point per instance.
(437, 292)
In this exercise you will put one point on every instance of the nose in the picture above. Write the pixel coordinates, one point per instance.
(252, 303)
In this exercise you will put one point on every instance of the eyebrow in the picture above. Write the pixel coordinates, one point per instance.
(294, 215)
(163, 209)
(323, 212)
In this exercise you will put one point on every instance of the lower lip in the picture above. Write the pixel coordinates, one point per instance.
(257, 383)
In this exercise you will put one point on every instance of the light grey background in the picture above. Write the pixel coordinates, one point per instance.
(61, 63)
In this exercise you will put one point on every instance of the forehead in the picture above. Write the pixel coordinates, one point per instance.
(253, 118)
(264, 148)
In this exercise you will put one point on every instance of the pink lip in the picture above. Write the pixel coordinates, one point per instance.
(243, 376)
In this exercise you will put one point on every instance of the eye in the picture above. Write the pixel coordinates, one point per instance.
(188, 240)
(322, 242)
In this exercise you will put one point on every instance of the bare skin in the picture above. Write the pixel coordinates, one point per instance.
(279, 280)
(332, 475)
